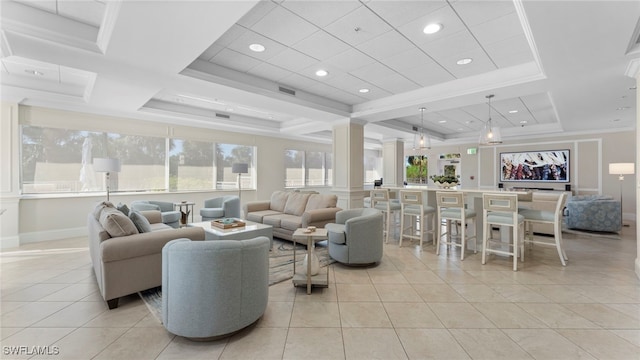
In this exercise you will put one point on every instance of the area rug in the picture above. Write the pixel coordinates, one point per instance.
(280, 269)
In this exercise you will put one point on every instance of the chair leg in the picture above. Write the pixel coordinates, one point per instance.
(463, 240)
(515, 247)
(402, 217)
(485, 235)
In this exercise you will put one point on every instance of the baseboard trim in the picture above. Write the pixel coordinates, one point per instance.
(9, 242)
(51, 235)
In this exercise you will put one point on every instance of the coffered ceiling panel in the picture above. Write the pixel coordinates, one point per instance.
(321, 45)
(358, 26)
(277, 25)
(318, 13)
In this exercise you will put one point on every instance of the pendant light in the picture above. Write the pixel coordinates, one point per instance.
(490, 134)
(421, 140)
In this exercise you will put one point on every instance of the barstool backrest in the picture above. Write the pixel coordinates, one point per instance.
(408, 197)
(449, 199)
(379, 195)
(506, 203)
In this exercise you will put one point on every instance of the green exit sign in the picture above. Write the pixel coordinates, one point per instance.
(472, 151)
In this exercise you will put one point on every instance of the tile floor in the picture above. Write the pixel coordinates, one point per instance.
(413, 305)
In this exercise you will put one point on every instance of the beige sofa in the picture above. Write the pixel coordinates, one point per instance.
(126, 261)
(541, 200)
(287, 211)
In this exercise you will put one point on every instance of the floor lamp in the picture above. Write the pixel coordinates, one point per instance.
(621, 169)
(106, 165)
(240, 169)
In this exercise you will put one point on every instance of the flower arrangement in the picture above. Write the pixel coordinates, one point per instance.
(445, 180)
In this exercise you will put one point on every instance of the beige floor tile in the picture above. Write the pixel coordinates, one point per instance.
(34, 292)
(520, 294)
(478, 293)
(317, 293)
(315, 314)
(408, 263)
(560, 294)
(125, 315)
(350, 275)
(632, 336)
(9, 306)
(73, 276)
(431, 344)
(181, 348)
(74, 292)
(149, 321)
(256, 343)
(508, 316)
(397, 292)
(5, 332)
(546, 344)
(372, 344)
(488, 344)
(277, 315)
(33, 337)
(435, 293)
(631, 310)
(31, 313)
(558, 316)
(602, 344)
(457, 277)
(314, 343)
(364, 314)
(357, 292)
(387, 277)
(460, 315)
(85, 343)
(74, 315)
(137, 343)
(605, 316)
(604, 294)
(412, 315)
(384, 265)
(283, 291)
(494, 277)
(422, 277)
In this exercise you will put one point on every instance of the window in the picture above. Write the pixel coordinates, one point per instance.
(61, 160)
(190, 165)
(416, 169)
(226, 156)
(311, 168)
(372, 166)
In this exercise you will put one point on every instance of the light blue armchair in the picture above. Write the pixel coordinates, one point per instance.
(594, 213)
(223, 207)
(212, 289)
(170, 216)
(356, 238)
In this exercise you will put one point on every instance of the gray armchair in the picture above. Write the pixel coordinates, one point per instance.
(594, 213)
(170, 216)
(214, 288)
(223, 207)
(356, 238)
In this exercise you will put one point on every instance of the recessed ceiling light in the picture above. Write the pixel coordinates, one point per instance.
(464, 61)
(34, 72)
(623, 108)
(513, 111)
(432, 28)
(523, 122)
(230, 109)
(364, 90)
(442, 121)
(322, 72)
(257, 47)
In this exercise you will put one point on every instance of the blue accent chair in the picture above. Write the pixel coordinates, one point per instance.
(170, 216)
(594, 213)
(356, 238)
(223, 207)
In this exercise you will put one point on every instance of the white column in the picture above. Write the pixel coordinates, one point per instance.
(392, 162)
(9, 176)
(348, 163)
(633, 70)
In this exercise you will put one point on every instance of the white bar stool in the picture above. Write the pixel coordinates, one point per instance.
(532, 216)
(502, 210)
(412, 205)
(380, 199)
(451, 207)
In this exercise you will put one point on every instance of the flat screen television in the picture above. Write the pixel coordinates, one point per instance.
(541, 166)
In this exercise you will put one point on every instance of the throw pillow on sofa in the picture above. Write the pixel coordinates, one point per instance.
(140, 221)
(296, 203)
(278, 200)
(116, 223)
(123, 208)
(101, 206)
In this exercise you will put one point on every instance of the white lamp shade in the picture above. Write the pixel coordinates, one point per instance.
(106, 165)
(621, 168)
(240, 168)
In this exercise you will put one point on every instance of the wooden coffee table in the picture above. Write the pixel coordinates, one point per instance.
(249, 231)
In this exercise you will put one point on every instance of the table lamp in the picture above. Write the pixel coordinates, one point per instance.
(106, 165)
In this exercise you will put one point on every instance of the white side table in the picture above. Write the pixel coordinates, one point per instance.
(188, 209)
(306, 278)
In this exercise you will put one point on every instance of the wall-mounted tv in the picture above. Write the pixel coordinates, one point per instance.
(544, 166)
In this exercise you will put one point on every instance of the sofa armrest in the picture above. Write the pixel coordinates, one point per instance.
(127, 247)
(319, 216)
(256, 206)
(154, 216)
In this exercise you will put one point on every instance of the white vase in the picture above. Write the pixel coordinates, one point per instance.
(315, 264)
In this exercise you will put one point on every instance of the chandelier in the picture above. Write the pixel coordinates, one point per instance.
(490, 134)
(421, 140)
